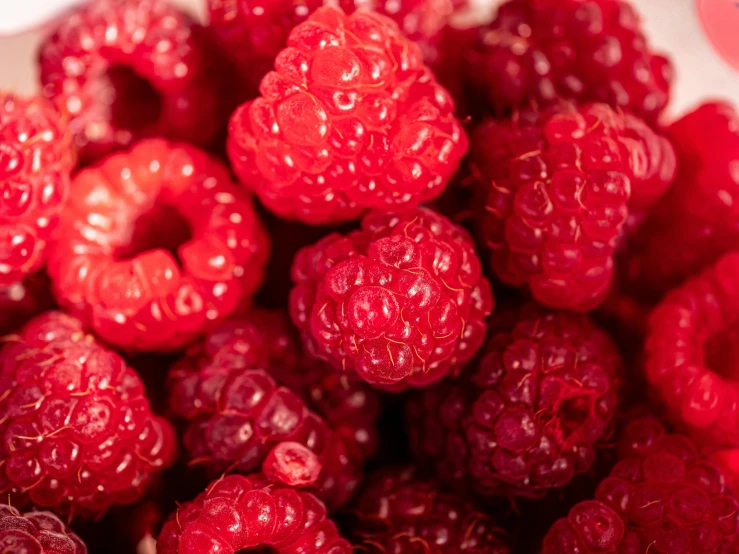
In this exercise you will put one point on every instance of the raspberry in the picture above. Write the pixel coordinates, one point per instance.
(556, 187)
(137, 287)
(398, 512)
(401, 301)
(539, 51)
(36, 533)
(125, 69)
(691, 351)
(236, 412)
(532, 413)
(695, 223)
(35, 161)
(20, 302)
(662, 497)
(350, 119)
(238, 512)
(78, 433)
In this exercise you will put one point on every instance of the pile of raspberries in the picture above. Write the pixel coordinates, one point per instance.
(335, 276)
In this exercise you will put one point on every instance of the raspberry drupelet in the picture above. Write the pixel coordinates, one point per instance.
(402, 301)
(36, 156)
(691, 352)
(350, 119)
(21, 301)
(662, 497)
(530, 416)
(696, 221)
(238, 512)
(78, 433)
(126, 69)
(400, 512)
(36, 533)
(537, 52)
(555, 190)
(156, 246)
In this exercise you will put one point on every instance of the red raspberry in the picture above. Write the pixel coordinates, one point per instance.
(695, 223)
(662, 497)
(540, 51)
(36, 533)
(35, 161)
(77, 432)
(238, 512)
(350, 119)
(401, 301)
(692, 355)
(125, 69)
(399, 513)
(137, 287)
(531, 415)
(236, 412)
(20, 302)
(555, 188)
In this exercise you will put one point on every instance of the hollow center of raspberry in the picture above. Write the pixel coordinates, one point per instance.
(162, 227)
(574, 414)
(134, 104)
(721, 353)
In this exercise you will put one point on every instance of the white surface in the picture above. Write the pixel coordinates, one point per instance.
(672, 26)
(17, 16)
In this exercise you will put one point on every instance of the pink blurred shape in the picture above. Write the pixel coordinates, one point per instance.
(720, 20)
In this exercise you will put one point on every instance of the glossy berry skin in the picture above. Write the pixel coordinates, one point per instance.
(78, 435)
(554, 195)
(126, 69)
(114, 261)
(238, 512)
(236, 413)
(537, 52)
(399, 512)
(401, 302)
(36, 157)
(531, 415)
(662, 497)
(691, 352)
(696, 222)
(36, 533)
(350, 119)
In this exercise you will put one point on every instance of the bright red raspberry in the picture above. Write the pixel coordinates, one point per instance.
(78, 435)
(402, 301)
(539, 51)
(36, 533)
(692, 357)
(555, 189)
(36, 157)
(126, 69)
(350, 119)
(662, 497)
(531, 415)
(238, 512)
(399, 512)
(20, 302)
(696, 222)
(236, 412)
(157, 244)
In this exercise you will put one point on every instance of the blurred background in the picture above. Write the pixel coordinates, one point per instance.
(673, 26)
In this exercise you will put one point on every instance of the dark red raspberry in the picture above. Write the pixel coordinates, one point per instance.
(398, 512)
(556, 187)
(350, 119)
(125, 69)
(20, 302)
(238, 512)
(691, 351)
(143, 289)
(662, 497)
(696, 222)
(539, 51)
(401, 301)
(236, 412)
(36, 157)
(77, 432)
(532, 413)
(36, 533)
